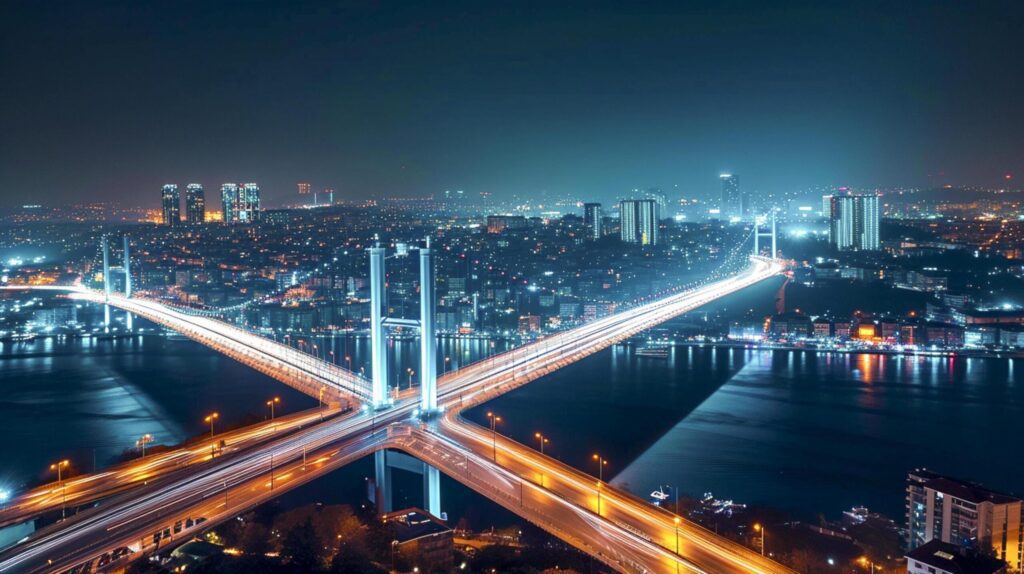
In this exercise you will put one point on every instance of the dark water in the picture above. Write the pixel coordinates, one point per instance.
(803, 432)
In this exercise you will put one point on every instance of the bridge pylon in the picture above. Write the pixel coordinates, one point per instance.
(758, 234)
(428, 336)
(108, 287)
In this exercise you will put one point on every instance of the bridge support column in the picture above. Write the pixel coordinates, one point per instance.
(774, 252)
(432, 490)
(428, 338)
(385, 462)
(757, 249)
(378, 342)
(382, 482)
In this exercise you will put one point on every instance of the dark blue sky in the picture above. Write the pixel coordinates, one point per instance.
(107, 100)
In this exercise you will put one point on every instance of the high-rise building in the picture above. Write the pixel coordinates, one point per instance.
(965, 514)
(638, 220)
(304, 188)
(170, 202)
(592, 220)
(195, 204)
(853, 222)
(733, 204)
(241, 202)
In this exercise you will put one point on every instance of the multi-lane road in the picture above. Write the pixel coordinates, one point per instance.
(623, 531)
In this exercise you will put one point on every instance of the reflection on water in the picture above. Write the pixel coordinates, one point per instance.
(820, 433)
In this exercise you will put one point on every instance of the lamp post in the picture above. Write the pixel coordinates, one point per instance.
(764, 532)
(143, 441)
(271, 404)
(601, 463)
(495, 419)
(865, 561)
(542, 440)
(210, 418)
(447, 363)
(59, 467)
(411, 373)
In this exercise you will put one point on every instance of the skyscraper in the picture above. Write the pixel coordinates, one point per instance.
(170, 202)
(853, 222)
(241, 202)
(195, 204)
(733, 205)
(639, 221)
(592, 220)
(304, 188)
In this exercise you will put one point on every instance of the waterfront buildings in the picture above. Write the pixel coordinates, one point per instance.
(241, 202)
(639, 220)
(195, 204)
(170, 204)
(854, 222)
(964, 514)
(592, 220)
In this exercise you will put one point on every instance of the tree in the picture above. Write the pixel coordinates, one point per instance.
(353, 558)
(302, 547)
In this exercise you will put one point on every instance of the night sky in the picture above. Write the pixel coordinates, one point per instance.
(107, 101)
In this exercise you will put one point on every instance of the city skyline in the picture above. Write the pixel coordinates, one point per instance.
(788, 98)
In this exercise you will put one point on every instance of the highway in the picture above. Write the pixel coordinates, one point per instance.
(628, 534)
(88, 488)
(301, 371)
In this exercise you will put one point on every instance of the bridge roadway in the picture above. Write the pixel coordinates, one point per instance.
(629, 534)
(301, 371)
(88, 488)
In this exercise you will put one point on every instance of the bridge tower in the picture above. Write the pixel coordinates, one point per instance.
(385, 461)
(108, 286)
(379, 321)
(758, 234)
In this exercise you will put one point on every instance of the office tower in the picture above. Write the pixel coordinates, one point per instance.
(962, 513)
(241, 202)
(853, 222)
(639, 221)
(170, 201)
(732, 204)
(195, 204)
(304, 188)
(592, 220)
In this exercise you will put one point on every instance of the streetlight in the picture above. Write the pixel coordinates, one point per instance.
(543, 440)
(210, 418)
(348, 359)
(271, 404)
(865, 561)
(601, 463)
(411, 373)
(447, 362)
(494, 433)
(59, 467)
(763, 531)
(143, 441)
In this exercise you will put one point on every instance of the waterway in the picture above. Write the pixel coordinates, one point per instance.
(808, 433)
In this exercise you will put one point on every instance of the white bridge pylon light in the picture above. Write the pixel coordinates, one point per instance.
(379, 321)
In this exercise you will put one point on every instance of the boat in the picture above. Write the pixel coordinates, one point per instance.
(653, 352)
(659, 496)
